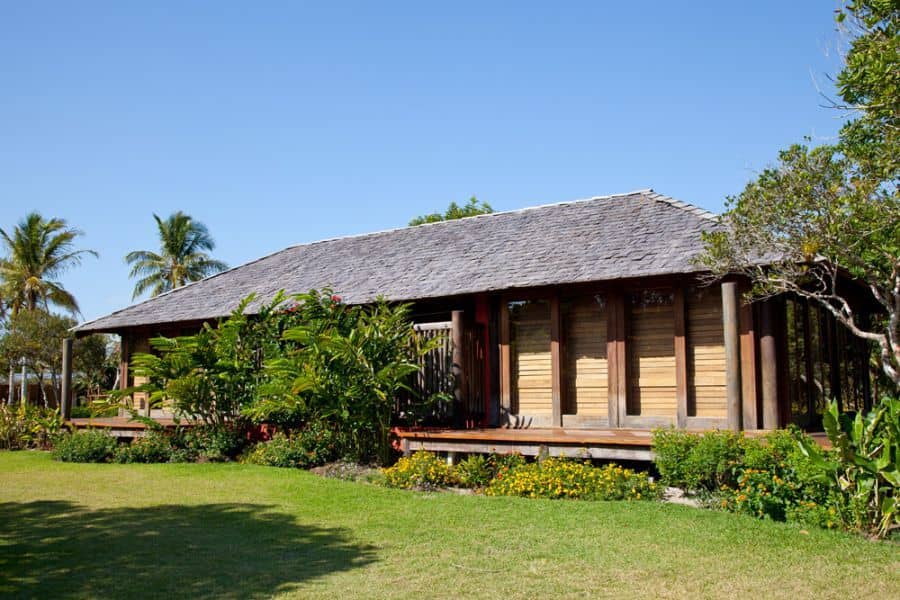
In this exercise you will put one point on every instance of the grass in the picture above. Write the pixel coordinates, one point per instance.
(239, 531)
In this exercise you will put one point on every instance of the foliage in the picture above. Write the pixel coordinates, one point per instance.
(95, 364)
(472, 208)
(38, 251)
(822, 213)
(308, 448)
(212, 376)
(182, 258)
(87, 446)
(28, 427)
(90, 411)
(210, 444)
(563, 478)
(478, 470)
(36, 336)
(421, 471)
(346, 367)
(863, 470)
(155, 447)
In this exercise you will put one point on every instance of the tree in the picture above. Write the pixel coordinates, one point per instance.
(824, 214)
(38, 252)
(95, 364)
(182, 257)
(35, 336)
(454, 211)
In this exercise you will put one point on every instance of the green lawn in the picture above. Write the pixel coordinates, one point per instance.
(236, 531)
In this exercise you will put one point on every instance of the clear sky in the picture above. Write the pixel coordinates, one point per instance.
(277, 123)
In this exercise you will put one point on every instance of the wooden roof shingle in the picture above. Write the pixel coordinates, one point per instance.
(620, 236)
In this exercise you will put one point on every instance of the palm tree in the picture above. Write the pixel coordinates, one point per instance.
(38, 252)
(182, 257)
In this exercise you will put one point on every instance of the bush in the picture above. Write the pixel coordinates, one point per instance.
(212, 444)
(477, 470)
(28, 427)
(87, 412)
(562, 478)
(700, 463)
(311, 447)
(423, 470)
(88, 446)
(155, 447)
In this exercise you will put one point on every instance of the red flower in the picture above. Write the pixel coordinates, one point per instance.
(335, 298)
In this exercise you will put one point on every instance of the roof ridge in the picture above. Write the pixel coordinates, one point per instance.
(686, 206)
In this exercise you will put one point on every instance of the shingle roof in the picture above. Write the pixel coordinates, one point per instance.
(610, 237)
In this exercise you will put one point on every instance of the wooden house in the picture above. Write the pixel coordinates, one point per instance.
(576, 327)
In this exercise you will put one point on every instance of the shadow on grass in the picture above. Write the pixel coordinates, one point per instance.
(63, 550)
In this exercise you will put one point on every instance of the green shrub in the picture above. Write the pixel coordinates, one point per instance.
(87, 412)
(671, 449)
(88, 446)
(28, 427)
(423, 470)
(477, 470)
(212, 444)
(308, 448)
(563, 478)
(700, 463)
(155, 447)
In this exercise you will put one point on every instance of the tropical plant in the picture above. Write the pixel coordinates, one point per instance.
(88, 446)
(182, 256)
(825, 213)
(472, 208)
(28, 427)
(35, 336)
(864, 467)
(38, 252)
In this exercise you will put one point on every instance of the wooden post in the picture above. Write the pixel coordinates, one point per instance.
(731, 324)
(556, 368)
(617, 390)
(768, 364)
(505, 364)
(748, 368)
(66, 391)
(681, 359)
(457, 335)
(12, 385)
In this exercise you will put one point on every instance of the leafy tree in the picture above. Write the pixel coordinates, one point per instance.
(36, 336)
(824, 213)
(454, 211)
(95, 363)
(38, 251)
(182, 257)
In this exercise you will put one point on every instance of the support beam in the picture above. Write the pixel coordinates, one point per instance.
(681, 359)
(505, 365)
(617, 390)
(731, 325)
(556, 367)
(768, 364)
(457, 334)
(748, 368)
(65, 398)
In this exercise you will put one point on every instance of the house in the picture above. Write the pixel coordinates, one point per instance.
(578, 327)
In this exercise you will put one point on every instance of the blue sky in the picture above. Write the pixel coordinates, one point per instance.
(279, 123)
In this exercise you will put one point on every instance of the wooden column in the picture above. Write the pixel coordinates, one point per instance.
(768, 364)
(505, 364)
(731, 324)
(748, 367)
(556, 367)
(681, 359)
(124, 357)
(65, 398)
(457, 335)
(617, 390)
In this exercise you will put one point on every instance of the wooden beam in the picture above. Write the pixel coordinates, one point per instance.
(731, 325)
(505, 364)
(748, 367)
(768, 364)
(124, 358)
(65, 398)
(457, 335)
(617, 390)
(556, 367)
(681, 358)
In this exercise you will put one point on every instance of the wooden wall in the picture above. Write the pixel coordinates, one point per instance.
(643, 356)
(531, 362)
(705, 353)
(584, 335)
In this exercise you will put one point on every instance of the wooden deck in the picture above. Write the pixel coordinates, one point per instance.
(609, 444)
(122, 427)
